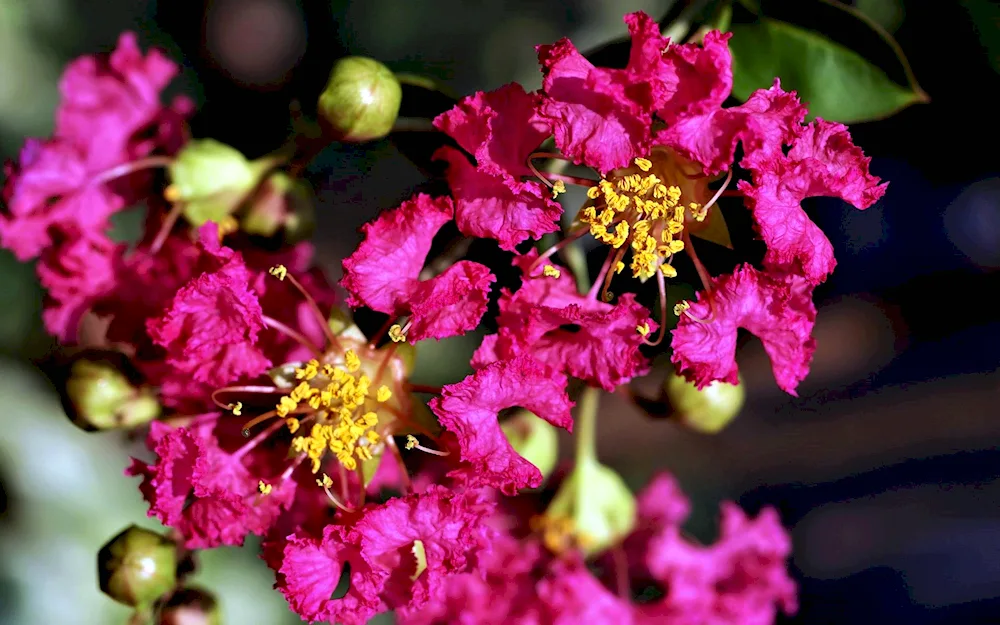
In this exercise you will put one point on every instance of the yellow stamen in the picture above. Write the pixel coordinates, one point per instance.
(326, 482)
(383, 394)
(396, 334)
(668, 270)
(411, 441)
(237, 409)
(293, 424)
(551, 272)
(557, 188)
(278, 271)
(172, 193)
(643, 329)
(680, 307)
(352, 361)
(264, 488)
(643, 164)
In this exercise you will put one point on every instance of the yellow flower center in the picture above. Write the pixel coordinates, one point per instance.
(343, 406)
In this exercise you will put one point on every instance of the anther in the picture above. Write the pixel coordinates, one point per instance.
(551, 271)
(278, 271)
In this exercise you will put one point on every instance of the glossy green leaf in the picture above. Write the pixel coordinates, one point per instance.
(837, 83)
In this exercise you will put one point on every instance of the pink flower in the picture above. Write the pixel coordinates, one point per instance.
(549, 320)
(205, 493)
(740, 579)
(571, 594)
(823, 161)
(469, 409)
(110, 114)
(776, 308)
(309, 570)
(418, 541)
(210, 329)
(384, 272)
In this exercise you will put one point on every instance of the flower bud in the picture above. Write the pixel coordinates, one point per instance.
(282, 204)
(361, 100)
(708, 410)
(595, 505)
(137, 567)
(212, 179)
(191, 606)
(534, 438)
(98, 395)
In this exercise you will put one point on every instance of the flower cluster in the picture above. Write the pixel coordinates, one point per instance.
(282, 419)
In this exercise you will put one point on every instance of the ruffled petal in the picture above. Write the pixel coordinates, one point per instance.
(309, 570)
(769, 119)
(571, 594)
(210, 328)
(498, 127)
(549, 320)
(470, 408)
(778, 309)
(823, 161)
(703, 75)
(383, 273)
(493, 207)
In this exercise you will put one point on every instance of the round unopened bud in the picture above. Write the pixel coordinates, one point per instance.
(137, 567)
(191, 606)
(212, 179)
(534, 438)
(361, 100)
(597, 506)
(283, 204)
(98, 394)
(708, 410)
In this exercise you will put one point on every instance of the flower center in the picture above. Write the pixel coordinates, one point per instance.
(641, 209)
(340, 405)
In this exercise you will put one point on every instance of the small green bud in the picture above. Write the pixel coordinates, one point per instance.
(282, 204)
(98, 395)
(361, 100)
(191, 606)
(534, 438)
(137, 567)
(594, 505)
(212, 179)
(708, 410)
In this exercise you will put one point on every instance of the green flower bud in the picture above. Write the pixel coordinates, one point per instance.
(708, 410)
(98, 395)
(593, 506)
(137, 567)
(191, 606)
(361, 100)
(212, 179)
(282, 204)
(534, 438)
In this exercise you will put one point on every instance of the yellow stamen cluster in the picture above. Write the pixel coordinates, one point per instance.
(337, 396)
(641, 209)
(551, 272)
(558, 188)
(680, 307)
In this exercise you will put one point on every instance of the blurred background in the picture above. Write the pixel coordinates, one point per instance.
(884, 468)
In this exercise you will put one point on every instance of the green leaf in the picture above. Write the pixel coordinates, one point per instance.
(837, 83)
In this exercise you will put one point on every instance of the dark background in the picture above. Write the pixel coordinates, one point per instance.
(884, 468)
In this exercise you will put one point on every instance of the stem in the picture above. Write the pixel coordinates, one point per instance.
(706, 278)
(586, 426)
(599, 280)
(317, 312)
(166, 227)
(391, 444)
(131, 167)
(621, 572)
(576, 260)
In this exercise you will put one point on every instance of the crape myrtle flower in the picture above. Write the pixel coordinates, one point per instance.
(659, 139)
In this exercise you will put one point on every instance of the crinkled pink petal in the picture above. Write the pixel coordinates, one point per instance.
(205, 493)
(549, 320)
(654, 80)
(451, 530)
(451, 303)
(492, 207)
(106, 101)
(470, 408)
(776, 308)
(308, 572)
(600, 117)
(769, 119)
(703, 73)
(742, 578)
(571, 595)
(75, 273)
(210, 329)
(47, 190)
(383, 273)
(823, 161)
(498, 127)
